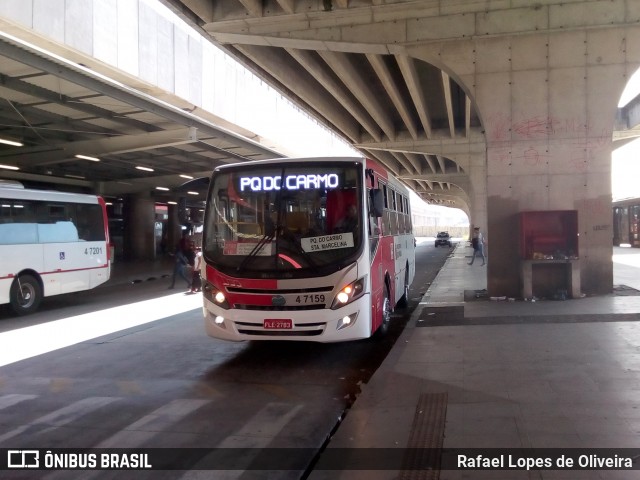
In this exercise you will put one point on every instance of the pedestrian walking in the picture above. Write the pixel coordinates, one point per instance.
(477, 242)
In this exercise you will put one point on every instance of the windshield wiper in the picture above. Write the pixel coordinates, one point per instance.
(294, 241)
(266, 238)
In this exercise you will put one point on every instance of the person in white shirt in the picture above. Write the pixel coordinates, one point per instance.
(477, 242)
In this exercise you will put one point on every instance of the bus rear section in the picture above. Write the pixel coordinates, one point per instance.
(287, 254)
(51, 243)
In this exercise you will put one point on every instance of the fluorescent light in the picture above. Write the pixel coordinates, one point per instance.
(164, 189)
(172, 203)
(193, 193)
(86, 157)
(146, 169)
(10, 142)
(9, 167)
(74, 176)
(188, 177)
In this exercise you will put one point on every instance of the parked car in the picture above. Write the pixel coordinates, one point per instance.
(444, 239)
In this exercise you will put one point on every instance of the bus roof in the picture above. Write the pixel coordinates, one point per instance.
(290, 160)
(18, 193)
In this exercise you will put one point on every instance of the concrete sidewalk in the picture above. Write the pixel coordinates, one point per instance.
(500, 374)
(140, 271)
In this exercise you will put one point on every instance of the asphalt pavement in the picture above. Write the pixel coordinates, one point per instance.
(472, 372)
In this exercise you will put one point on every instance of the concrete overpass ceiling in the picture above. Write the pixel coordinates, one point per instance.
(58, 110)
(400, 110)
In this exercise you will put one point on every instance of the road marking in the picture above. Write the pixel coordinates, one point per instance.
(153, 424)
(258, 432)
(62, 416)
(7, 401)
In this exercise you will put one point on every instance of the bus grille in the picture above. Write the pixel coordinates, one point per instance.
(302, 330)
(280, 291)
(270, 308)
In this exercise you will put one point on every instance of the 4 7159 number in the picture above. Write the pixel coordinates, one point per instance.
(312, 298)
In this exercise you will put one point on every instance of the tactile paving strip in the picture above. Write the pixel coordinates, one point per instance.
(422, 457)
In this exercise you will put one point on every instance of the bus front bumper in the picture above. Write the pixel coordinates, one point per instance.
(351, 322)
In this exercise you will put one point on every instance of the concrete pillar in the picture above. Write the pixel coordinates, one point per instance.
(139, 218)
(174, 229)
(547, 103)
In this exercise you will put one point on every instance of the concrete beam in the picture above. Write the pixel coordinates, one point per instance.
(254, 7)
(446, 87)
(309, 62)
(408, 69)
(340, 64)
(287, 5)
(303, 88)
(384, 74)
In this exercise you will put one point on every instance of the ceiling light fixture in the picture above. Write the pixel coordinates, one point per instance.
(10, 142)
(9, 167)
(86, 157)
(172, 203)
(188, 177)
(193, 193)
(164, 189)
(146, 169)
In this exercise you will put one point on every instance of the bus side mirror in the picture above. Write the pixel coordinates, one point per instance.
(377, 202)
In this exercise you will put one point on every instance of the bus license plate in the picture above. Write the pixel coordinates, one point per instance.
(278, 324)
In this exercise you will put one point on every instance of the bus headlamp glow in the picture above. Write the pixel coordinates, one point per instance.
(218, 321)
(215, 295)
(346, 321)
(349, 293)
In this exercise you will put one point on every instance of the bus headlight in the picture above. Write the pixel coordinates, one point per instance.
(346, 321)
(349, 293)
(215, 295)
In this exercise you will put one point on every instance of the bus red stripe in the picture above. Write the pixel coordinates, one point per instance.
(60, 271)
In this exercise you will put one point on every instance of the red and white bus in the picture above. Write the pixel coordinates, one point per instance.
(281, 264)
(50, 243)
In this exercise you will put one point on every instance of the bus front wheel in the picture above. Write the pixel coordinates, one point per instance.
(25, 295)
(383, 329)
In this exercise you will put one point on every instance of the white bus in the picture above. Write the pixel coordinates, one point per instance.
(281, 261)
(50, 243)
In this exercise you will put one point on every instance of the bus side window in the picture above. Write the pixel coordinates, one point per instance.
(90, 223)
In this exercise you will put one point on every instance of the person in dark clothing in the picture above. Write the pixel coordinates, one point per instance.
(181, 265)
(348, 223)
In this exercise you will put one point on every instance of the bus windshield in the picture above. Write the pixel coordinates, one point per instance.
(284, 220)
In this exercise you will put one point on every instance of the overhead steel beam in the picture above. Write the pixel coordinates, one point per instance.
(80, 127)
(108, 146)
(88, 79)
(60, 99)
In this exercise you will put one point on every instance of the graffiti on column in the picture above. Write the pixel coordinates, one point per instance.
(584, 142)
